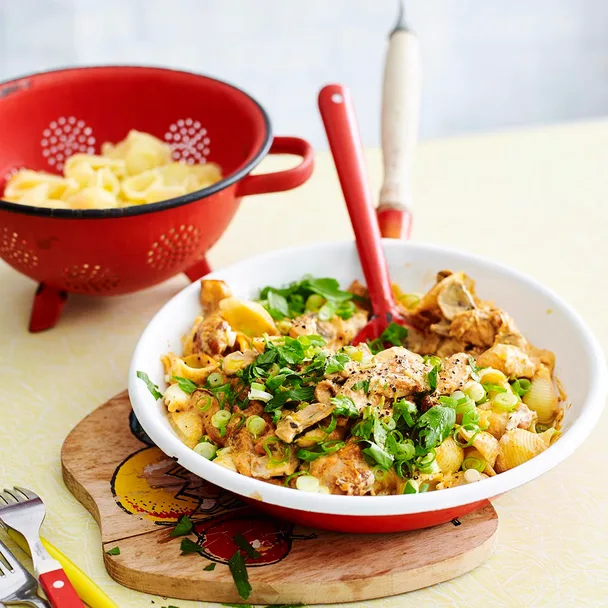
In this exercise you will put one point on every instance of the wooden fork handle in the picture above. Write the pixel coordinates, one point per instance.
(59, 590)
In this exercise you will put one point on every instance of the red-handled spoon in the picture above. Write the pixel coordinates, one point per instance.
(345, 143)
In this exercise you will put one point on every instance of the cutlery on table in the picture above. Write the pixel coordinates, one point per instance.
(24, 512)
(17, 585)
(400, 117)
(344, 141)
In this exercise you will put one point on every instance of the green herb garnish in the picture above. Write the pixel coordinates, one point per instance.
(114, 551)
(394, 334)
(435, 425)
(242, 543)
(521, 386)
(321, 449)
(151, 386)
(184, 526)
(188, 546)
(209, 567)
(344, 406)
(239, 574)
(186, 385)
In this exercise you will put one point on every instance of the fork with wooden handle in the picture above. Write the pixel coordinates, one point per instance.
(24, 512)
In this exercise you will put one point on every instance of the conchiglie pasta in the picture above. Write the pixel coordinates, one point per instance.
(188, 425)
(542, 396)
(246, 317)
(136, 171)
(175, 366)
(516, 447)
(449, 456)
(484, 442)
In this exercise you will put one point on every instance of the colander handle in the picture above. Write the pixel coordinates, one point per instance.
(281, 180)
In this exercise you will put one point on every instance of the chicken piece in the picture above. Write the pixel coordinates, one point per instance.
(212, 336)
(344, 471)
(387, 483)
(509, 359)
(454, 374)
(263, 468)
(337, 332)
(212, 292)
(523, 418)
(474, 327)
(293, 424)
(207, 410)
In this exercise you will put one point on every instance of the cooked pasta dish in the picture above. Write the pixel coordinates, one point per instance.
(273, 389)
(135, 171)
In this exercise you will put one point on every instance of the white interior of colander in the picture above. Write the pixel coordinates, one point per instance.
(542, 316)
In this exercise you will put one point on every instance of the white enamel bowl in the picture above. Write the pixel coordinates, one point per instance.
(580, 366)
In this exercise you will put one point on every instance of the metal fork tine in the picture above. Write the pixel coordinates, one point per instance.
(9, 497)
(8, 557)
(28, 495)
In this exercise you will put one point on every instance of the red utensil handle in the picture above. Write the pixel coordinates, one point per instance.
(281, 180)
(59, 590)
(343, 135)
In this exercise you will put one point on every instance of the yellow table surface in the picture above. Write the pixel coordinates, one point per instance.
(536, 200)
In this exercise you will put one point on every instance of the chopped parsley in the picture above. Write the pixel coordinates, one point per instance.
(239, 574)
(114, 551)
(209, 567)
(183, 527)
(344, 406)
(320, 295)
(362, 385)
(186, 385)
(435, 425)
(151, 386)
(436, 364)
(188, 546)
(242, 543)
(394, 334)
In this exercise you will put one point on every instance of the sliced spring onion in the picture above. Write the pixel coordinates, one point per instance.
(471, 428)
(424, 487)
(314, 302)
(258, 395)
(215, 379)
(464, 405)
(475, 391)
(505, 401)
(410, 300)
(206, 450)
(472, 475)
(292, 476)
(354, 353)
(389, 423)
(204, 403)
(428, 463)
(255, 425)
(241, 421)
(331, 427)
(379, 473)
(411, 487)
(458, 395)
(256, 386)
(220, 419)
(521, 386)
(472, 462)
(307, 483)
(279, 458)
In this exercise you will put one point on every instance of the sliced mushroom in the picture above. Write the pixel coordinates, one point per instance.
(295, 423)
(454, 298)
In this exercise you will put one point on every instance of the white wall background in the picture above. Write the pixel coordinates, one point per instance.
(487, 63)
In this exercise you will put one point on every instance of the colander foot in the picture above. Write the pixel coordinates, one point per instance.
(47, 307)
(200, 269)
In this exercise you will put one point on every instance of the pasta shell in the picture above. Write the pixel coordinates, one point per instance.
(249, 318)
(175, 399)
(486, 444)
(542, 396)
(176, 366)
(93, 198)
(516, 447)
(188, 425)
(449, 456)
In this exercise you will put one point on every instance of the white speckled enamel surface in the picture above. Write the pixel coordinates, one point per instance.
(536, 200)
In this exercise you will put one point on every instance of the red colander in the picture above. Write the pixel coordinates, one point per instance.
(46, 117)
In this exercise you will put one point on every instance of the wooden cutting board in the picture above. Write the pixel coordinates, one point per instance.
(136, 494)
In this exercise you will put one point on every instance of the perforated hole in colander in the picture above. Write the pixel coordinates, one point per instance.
(12, 172)
(65, 136)
(16, 250)
(90, 278)
(189, 141)
(174, 247)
